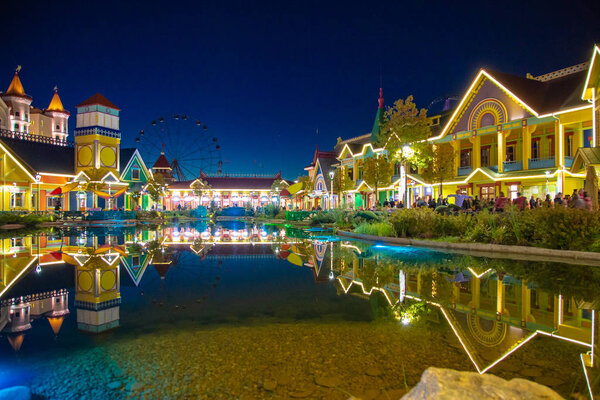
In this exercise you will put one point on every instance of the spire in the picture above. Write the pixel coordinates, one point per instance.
(375, 131)
(55, 103)
(16, 87)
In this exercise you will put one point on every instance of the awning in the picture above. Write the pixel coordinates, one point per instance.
(106, 195)
(64, 189)
(295, 188)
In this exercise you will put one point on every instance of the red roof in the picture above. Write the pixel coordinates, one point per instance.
(98, 99)
(232, 183)
(162, 162)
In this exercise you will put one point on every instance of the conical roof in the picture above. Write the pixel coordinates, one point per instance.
(98, 99)
(56, 104)
(162, 162)
(16, 87)
(376, 130)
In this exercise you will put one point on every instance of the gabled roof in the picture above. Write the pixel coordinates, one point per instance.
(43, 157)
(232, 183)
(321, 154)
(538, 97)
(584, 157)
(100, 100)
(162, 162)
(56, 104)
(327, 165)
(16, 88)
(124, 157)
(593, 70)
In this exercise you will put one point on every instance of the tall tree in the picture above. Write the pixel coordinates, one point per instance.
(441, 166)
(341, 182)
(155, 187)
(378, 172)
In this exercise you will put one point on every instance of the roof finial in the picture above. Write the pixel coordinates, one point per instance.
(18, 69)
(162, 150)
(55, 88)
(380, 97)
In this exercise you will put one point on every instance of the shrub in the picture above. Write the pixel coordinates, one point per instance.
(322, 217)
(384, 228)
(271, 210)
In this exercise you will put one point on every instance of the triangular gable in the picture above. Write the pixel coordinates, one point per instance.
(136, 161)
(136, 272)
(593, 71)
(81, 177)
(110, 178)
(465, 106)
(20, 163)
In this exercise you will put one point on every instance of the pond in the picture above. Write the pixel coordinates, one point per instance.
(237, 310)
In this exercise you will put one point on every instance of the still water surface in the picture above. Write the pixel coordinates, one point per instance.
(262, 311)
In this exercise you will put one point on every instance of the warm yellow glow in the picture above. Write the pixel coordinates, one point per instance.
(560, 144)
(17, 162)
(587, 378)
(18, 276)
(480, 275)
(595, 52)
(364, 291)
(362, 152)
(568, 111)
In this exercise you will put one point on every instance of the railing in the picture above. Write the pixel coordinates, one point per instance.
(464, 171)
(512, 165)
(493, 168)
(546, 162)
(94, 130)
(35, 138)
(568, 161)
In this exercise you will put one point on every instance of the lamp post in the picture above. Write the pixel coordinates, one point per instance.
(331, 173)
(547, 182)
(406, 153)
(38, 178)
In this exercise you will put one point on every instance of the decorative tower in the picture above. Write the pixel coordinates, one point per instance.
(376, 131)
(97, 135)
(19, 104)
(98, 293)
(60, 117)
(162, 167)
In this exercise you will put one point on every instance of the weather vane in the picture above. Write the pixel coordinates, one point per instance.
(18, 68)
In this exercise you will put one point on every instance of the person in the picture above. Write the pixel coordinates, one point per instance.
(400, 204)
(431, 202)
(520, 201)
(386, 204)
(476, 204)
(578, 202)
(548, 202)
(57, 205)
(392, 203)
(500, 203)
(558, 200)
(421, 202)
(459, 197)
(532, 202)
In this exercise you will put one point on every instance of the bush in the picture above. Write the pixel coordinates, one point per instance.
(384, 228)
(271, 210)
(322, 217)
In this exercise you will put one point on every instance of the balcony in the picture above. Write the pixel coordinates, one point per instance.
(546, 162)
(512, 165)
(568, 161)
(493, 168)
(462, 171)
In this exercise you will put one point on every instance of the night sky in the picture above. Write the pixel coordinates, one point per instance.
(267, 77)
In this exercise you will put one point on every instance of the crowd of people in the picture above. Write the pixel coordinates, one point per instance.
(578, 199)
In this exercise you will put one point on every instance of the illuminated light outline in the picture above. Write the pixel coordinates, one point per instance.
(81, 173)
(593, 333)
(589, 74)
(18, 275)
(364, 291)
(560, 144)
(587, 379)
(351, 246)
(579, 108)
(515, 348)
(480, 275)
(468, 92)
(17, 162)
(564, 338)
(362, 152)
(560, 309)
(594, 122)
(59, 175)
(143, 163)
(225, 190)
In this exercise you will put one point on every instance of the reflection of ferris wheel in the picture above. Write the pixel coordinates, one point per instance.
(186, 142)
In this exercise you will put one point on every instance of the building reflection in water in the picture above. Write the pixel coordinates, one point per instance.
(492, 314)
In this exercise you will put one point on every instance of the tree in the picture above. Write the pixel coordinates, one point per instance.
(378, 172)
(199, 186)
(441, 166)
(341, 181)
(155, 187)
(278, 185)
(306, 182)
(404, 135)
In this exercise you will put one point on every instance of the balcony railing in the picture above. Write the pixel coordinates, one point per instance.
(512, 165)
(34, 138)
(462, 171)
(493, 168)
(568, 161)
(546, 162)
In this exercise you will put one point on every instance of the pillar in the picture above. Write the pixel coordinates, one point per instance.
(525, 303)
(526, 146)
(499, 298)
(476, 300)
(476, 162)
(501, 151)
(456, 147)
(558, 141)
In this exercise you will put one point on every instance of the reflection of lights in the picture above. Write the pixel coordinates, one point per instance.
(263, 233)
(188, 198)
(331, 275)
(217, 234)
(188, 233)
(245, 234)
(205, 235)
(38, 269)
(176, 198)
(405, 321)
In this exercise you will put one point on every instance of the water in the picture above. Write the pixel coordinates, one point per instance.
(250, 311)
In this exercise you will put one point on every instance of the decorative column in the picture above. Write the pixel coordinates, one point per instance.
(525, 303)
(456, 147)
(499, 299)
(476, 159)
(526, 146)
(501, 151)
(558, 140)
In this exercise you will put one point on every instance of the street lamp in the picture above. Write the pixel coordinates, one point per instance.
(331, 173)
(38, 178)
(547, 182)
(407, 152)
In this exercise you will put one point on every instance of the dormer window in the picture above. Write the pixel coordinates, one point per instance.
(135, 174)
(17, 114)
(58, 127)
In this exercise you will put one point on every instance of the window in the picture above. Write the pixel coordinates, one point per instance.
(135, 260)
(511, 153)
(535, 148)
(485, 156)
(135, 174)
(487, 192)
(569, 144)
(26, 116)
(58, 127)
(51, 202)
(17, 114)
(550, 146)
(16, 128)
(512, 191)
(465, 158)
(16, 200)
(57, 300)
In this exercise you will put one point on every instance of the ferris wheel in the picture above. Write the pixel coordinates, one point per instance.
(186, 142)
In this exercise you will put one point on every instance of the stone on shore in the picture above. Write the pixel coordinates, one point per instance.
(442, 384)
